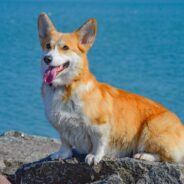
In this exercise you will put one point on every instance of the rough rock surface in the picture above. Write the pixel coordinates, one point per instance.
(17, 149)
(4, 180)
(125, 170)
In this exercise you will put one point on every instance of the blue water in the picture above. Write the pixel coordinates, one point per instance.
(139, 48)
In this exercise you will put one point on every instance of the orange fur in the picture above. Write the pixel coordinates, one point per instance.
(134, 119)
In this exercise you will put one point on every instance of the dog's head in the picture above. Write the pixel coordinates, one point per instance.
(64, 54)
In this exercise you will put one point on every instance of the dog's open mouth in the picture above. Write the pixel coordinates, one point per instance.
(52, 72)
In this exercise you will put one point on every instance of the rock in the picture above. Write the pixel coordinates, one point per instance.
(31, 155)
(4, 180)
(17, 148)
(113, 179)
(125, 170)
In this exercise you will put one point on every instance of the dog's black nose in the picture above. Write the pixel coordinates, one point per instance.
(47, 59)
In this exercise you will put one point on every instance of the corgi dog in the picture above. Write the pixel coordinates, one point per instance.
(95, 118)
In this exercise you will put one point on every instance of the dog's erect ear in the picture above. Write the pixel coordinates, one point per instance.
(45, 26)
(86, 34)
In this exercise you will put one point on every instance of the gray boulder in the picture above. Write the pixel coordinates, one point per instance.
(29, 157)
(125, 170)
(17, 148)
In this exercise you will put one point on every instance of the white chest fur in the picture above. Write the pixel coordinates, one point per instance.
(68, 118)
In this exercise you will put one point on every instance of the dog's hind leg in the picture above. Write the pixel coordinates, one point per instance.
(162, 139)
(147, 157)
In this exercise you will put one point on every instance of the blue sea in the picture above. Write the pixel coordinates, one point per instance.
(139, 48)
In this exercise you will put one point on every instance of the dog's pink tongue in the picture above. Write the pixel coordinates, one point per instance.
(50, 75)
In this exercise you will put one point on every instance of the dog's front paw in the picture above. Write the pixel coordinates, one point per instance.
(92, 159)
(62, 154)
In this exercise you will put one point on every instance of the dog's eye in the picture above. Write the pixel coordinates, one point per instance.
(48, 46)
(65, 47)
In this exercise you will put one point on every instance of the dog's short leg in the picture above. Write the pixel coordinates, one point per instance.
(94, 158)
(147, 157)
(98, 151)
(64, 152)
